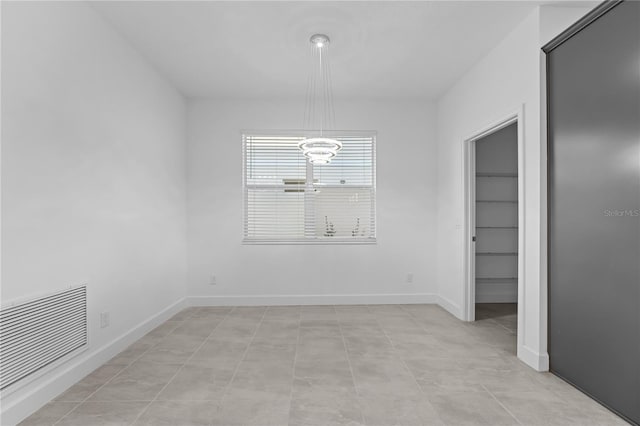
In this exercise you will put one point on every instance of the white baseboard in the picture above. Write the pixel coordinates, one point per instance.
(537, 361)
(451, 307)
(20, 405)
(314, 299)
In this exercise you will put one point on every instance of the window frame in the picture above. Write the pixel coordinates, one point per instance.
(308, 240)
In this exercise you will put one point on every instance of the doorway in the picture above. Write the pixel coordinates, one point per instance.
(493, 235)
(496, 236)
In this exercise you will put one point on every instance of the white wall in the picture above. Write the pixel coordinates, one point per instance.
(510, 77)
(93, 174)
(406, 210)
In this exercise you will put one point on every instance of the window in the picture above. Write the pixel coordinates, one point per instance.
(288, 200)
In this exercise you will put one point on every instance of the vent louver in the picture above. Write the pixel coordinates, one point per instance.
(36, 333)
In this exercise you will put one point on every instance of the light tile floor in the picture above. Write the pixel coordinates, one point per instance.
(324, 365)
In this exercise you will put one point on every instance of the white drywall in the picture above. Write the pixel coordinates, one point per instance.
(93, 176)
(510, 77)
(406, 210)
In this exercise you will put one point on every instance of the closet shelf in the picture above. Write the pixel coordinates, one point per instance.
(496, 227)
(496, 174)
(497, 201)
(497, 254)
(502, 280)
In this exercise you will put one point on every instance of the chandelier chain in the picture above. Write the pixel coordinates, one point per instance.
(319, 114)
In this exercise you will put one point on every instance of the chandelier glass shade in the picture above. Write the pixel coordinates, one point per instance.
(320, 150)
(319, 120)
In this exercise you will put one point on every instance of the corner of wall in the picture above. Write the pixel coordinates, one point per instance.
(451, 307)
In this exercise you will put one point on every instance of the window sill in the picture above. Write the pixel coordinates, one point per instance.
(319, 241)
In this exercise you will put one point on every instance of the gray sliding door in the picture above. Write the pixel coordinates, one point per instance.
(594, 207)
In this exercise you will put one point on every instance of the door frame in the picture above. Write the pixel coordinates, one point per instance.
(469, 179)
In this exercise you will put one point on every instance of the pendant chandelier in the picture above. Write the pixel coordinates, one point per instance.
(319, 117)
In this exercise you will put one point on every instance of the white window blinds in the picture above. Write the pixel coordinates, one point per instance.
(289, 200)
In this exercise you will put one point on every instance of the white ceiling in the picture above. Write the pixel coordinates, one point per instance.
(261, 49)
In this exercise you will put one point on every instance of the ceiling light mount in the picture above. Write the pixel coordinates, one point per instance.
(320, 40)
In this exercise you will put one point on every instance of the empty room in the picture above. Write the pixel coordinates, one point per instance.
(274, 213)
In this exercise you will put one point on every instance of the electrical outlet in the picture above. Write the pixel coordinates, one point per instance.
(104, 319)
(213, 280)
(409, 279)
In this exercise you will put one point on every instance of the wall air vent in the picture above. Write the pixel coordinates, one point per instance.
(36, 333)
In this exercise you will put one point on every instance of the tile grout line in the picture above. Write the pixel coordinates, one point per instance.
(77, 404)
(115, 375)
(242, 358)
(501, 404)
(497, 326)
(393, 347)
(493, 320)
(493, 396)
(413, 376)
(423, 328)
(141, 413)
(346, 352)
(507, 328)
(426, 330)
(293, 371)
